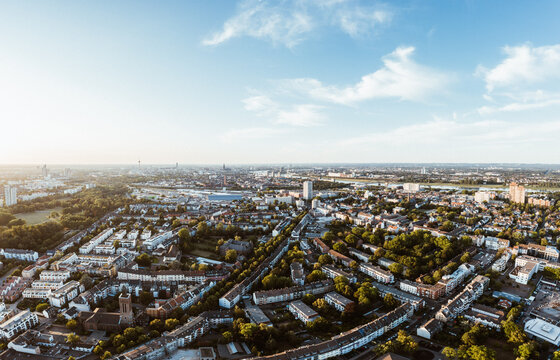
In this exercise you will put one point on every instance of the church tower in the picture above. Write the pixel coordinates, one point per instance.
(125, 304)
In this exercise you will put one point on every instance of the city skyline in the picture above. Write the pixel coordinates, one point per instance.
(251, 82)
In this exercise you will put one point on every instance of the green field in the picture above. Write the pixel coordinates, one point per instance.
(37, 217)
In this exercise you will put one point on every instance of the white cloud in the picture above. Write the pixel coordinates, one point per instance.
(399, 77)
(306, 115)
(288, 22)
(303, 115)
(523, 65)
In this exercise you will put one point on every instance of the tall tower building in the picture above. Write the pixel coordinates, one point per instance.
(308, 190)
(125, 305)
(517, 193)
(10, 195)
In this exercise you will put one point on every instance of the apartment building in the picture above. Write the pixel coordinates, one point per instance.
(377, 273)
(296, 273)
(97, 240)
(292, 293)
(332, 272)
(463, 300)
(339, 302)
(302, 312)
(52, 275)
(19, 254)
(17, 324)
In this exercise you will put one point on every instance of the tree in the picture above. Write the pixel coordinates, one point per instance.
(228, 336)
(247, 330)
(144, 260)
(396, 268)
(513, 332)
(390, 301)
(184, 234)
(146, 298)
(449, 353)
(41, 307)
(316, 275)
(231, 255)
(527, 351)
(86, 281)
(71, 324)
(106, 355)
(72, 339)
(171, 324)
(325, 259)
(480, 352)
(340, 247)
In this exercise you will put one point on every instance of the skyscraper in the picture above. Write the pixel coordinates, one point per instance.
(10, 195)
(308, 190)
(517, 193)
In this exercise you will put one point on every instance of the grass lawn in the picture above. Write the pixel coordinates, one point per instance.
(37, 217)
(204, 253)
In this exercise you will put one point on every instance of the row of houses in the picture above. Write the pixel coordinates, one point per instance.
(347, 341)
(292, 293)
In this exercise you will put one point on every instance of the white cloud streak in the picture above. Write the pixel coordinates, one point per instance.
(288, 22)
(523, 65)
(301, 115)
(399, 77)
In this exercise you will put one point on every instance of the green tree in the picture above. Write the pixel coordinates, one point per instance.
(41, 307)
(479, 352)
(71, 324)
(72, 339)
(231, 256)
(171, 324)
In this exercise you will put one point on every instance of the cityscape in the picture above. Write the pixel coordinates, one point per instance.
(279, 180)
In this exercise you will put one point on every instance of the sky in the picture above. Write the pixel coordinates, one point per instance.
(303, 81)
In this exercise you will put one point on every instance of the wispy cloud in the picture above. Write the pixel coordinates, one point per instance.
(523, 65)
(305, 115)
(399, 77)
(526, 79)
(288, 22)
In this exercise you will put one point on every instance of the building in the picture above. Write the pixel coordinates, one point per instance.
(302, 312)
(463, 300)
(429, 329)
(296, 273)
(332, 272)
(10, 195)
(339, 302)
(482, 196)
(539, 202)
(292, 293)
(25, 255)
(377, 273)
(485, 315)
(543, 330)
(308, 190)
(257, 316)
(411, 188)
(516, 193)
(19, 323)
(347, 341)
(242, 247)
(106, 321)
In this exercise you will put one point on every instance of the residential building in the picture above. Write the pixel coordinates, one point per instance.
(339, 302)
(308, 190)
(302, 312)
(517, 193)
(377, 273)
(296, 273)
(18, 323)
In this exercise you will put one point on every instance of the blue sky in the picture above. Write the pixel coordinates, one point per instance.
(279, 81)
